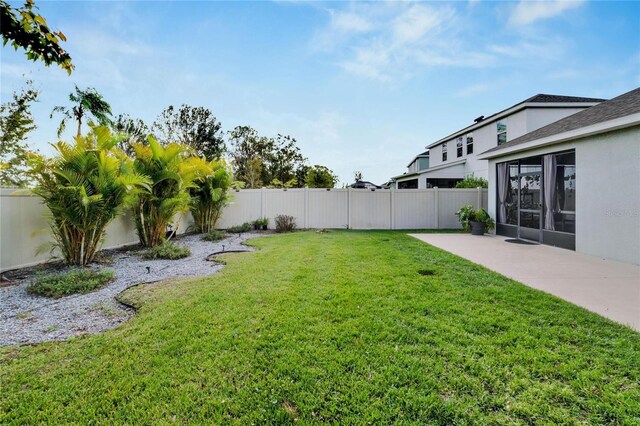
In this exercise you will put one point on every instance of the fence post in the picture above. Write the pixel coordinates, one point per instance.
(349, 208)
(262, 202)
(306, 208)
(436, 198)
(392, 213)
(479, 198)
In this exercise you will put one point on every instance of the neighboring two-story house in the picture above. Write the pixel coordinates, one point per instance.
(409, 180)
(453, 157)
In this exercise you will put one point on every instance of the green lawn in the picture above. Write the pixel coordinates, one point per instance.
(335, 327)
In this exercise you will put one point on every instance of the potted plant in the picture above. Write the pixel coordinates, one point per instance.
(265, 223)
(477, 221)
(256, 224)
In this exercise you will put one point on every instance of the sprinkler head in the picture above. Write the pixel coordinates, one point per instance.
(223, 247)
(148, 269)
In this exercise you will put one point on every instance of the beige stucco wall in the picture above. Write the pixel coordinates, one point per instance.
(607, 192)
(608, 196)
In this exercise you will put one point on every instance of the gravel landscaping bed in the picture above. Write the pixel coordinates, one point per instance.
(26, 318)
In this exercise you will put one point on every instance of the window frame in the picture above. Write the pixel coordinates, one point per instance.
(469, 143)
(459, 146)
(444, 152)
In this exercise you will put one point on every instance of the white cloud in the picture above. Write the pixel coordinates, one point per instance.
(387, 41)
(527, 12)
(418, 21)
(350, 22)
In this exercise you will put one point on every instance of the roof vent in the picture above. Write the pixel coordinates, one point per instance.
(479, 119)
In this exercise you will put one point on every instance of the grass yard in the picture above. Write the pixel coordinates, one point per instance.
(342, 327)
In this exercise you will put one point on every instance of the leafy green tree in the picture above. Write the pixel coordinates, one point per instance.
(250, 153)
(16, 122)
(172, 174)
(253, 173)
(130, 131)
(285, 159)
(321, 177)
(28, 30)
(85, 186)
(473, 182)
(210, 195)
(279, 160)
(86, 103)
(195, 127)
(357, 175)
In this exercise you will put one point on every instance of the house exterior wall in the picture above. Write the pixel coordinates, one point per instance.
(539, 117)
(607, 192)
(608, 215)
(485, 137)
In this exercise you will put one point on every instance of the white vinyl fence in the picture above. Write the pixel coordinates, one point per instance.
(24, 228)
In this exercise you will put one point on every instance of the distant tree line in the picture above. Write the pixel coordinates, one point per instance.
(257, 160)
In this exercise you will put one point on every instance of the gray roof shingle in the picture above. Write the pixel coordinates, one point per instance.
(545, 98)
(621, 106)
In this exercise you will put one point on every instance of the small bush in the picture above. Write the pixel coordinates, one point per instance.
(214, 236)
(473, 182)
(245, 227)
(63, 284)
(167, 250)
(285, 223)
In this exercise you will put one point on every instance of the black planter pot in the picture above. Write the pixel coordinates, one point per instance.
(256, 227)
(477, 228)
(264, 227)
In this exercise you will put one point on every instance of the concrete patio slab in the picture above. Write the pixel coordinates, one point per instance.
(606, 287)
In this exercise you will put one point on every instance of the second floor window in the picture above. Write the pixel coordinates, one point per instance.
(501, 128)
(444, 151)
(459, 147)
(470, 143)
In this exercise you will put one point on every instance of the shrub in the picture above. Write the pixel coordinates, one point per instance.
(63, 284)
(468, 214)
(172, 173)
(245, 227)
(85, 186)
(285, 223)
(473, 182)
(167, 250)
(210, 195)
(261, 222)
(214, 236)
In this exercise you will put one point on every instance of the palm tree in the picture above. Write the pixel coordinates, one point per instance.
(85, 186)
(86, 103)
(172, 174)
(211, 195)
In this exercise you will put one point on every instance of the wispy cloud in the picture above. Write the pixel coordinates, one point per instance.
(527, 12)
(386, 41)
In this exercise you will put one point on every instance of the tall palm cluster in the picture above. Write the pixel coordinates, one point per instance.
(85, 186)
(91, 181)
(172, 174)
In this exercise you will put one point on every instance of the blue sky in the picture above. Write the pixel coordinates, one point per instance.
(362, 86)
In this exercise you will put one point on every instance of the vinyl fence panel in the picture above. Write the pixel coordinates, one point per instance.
(24, 227)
